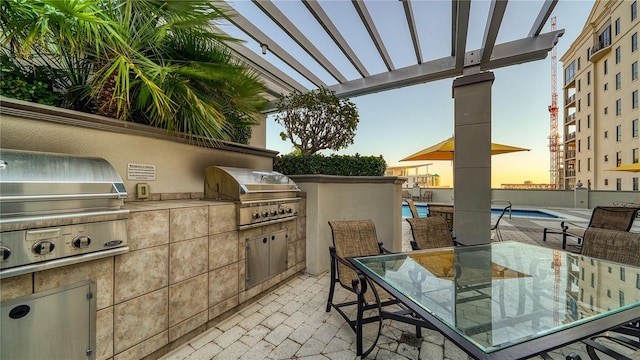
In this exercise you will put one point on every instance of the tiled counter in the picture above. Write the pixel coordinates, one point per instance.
(185, 270)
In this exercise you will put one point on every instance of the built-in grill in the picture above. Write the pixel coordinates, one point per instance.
(263, 196)
(57, 210)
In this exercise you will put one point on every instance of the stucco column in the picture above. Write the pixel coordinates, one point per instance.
(472, 164)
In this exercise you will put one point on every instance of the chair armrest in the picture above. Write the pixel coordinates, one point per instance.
(383, 250)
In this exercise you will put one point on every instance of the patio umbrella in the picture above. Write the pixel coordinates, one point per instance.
(444, 151)
(629, 167)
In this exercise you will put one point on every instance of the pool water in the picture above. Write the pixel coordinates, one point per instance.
(423, 210)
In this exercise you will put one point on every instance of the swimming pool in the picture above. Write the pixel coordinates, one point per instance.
(423, 210)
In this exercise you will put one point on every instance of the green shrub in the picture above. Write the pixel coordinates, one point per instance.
(22, 85)
(344, 165)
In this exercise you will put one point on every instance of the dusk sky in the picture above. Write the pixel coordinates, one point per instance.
(400, 122)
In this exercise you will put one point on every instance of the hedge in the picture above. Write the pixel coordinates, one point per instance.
(343, 165)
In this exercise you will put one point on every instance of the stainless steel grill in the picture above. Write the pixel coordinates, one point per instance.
(58, 210)
(263, 196)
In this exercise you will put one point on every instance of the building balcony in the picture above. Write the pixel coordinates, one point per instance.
(570, 173)
(599, 50)
(569, 154)
(570, 101)
(570, 136)
(570, 119)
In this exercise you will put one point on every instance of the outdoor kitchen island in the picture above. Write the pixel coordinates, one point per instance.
(185, 270)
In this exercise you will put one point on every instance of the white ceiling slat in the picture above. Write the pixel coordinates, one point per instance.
(323, 19)
(296, 35)
(245, 25)
(408, 11)
(543, 15)
(368, 23)
(490, 56)
(462, 8)
(494, 20)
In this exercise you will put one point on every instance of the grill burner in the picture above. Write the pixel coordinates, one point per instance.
(264, 196)
(58, 210)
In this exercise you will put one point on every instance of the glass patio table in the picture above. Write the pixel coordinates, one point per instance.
(509, 300)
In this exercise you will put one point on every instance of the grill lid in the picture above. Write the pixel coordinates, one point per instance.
(238, 184)
(44, 183)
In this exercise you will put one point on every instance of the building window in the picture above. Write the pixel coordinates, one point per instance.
(634, 128)
(638, 281)
(588, 164)
(619, 133)
(606, 158)
(579, 84)
(593, 280)
(579, 104)
(634, 42)
(634, 156)
(606, 66)
(606, 134)
(618, 158)
(618, 184)
(589, 99)
(588, 77)
(635, 183)
(579, 145)
(588, 121)
(634, 71)
(588, 142)
(606, 182)
(634, 99)
(579, 125)
(618, 55)
(617, 26)
(621, 298)
(606, 86)
(578, 63)
(582, 274)
(618, 107)
(606, 110)
(579, 166)
(569, 73)
(622, 274)
(634, 10)
(618, 81)
(608, 293)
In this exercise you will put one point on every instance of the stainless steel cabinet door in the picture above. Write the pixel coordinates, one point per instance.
(257, 260)
(55, 324)
(278, 252)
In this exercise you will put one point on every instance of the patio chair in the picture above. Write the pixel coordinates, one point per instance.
(634, 203)
(602, 217)
(355, 238)
(412, 207)
(496, 227)
(612, 245)
(430, 232)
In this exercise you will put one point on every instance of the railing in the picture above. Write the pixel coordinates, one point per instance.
(570, 173)
(571, 136)
(569, 154)
(570, 118)
(570, 99)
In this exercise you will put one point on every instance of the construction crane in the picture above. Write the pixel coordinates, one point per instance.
(557, 265)
(554, 148)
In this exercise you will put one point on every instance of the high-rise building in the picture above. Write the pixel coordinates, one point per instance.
(601, 108)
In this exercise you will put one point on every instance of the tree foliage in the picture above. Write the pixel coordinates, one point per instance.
(151, 61)
(317, 120)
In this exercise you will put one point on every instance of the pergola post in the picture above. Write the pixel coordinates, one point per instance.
(472, 164)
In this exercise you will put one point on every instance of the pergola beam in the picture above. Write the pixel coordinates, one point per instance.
(543, 15)
(368, 23)
(494, 20)
(269, 9)
(323, 19)
(461, 10)
(408, 12)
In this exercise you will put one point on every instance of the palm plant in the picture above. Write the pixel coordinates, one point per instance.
(153, 61)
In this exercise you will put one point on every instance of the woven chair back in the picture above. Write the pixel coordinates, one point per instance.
(612, 245)
(412, 207)
(613, 217)
(431, 232)
(353, 238)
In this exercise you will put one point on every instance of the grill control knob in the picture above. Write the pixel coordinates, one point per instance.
(5, 252)
(43, 247)
(274, 212)
(81, 242)
(289, 210)
(256, 216)
(281, 211)
(265, 214)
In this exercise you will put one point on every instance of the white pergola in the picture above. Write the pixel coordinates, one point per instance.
(273, 27)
